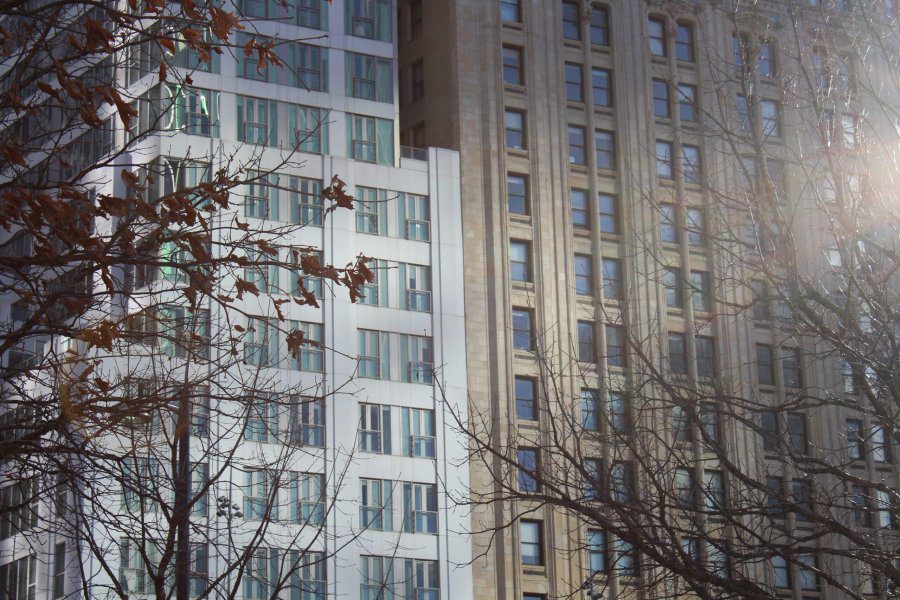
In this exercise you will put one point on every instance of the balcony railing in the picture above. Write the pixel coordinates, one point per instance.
(413, 153)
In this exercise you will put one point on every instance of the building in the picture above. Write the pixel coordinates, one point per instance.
(345, 459)
(595, 140)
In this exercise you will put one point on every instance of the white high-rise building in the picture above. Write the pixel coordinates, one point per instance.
(348, 453)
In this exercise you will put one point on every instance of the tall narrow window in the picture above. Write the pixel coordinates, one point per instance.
(668, 224)
(766, 60)
(706, 356)
(701, 291)
(577, 143)
(599, 26)
(517, 194)
(529, 464)
(571, 23)
(510, 11)
(523, 334)
(673, 289)
(584, 280)
(586, 341)
(590, 410)
(661, 99)
(605, 146)
(856, 447)
(691, 166)
(609, 213)
(765, 365)
(513, 73)
(580, 214)
(615, 346)
(514, 124)
(687, 102)
(656, 30)
(526, 398)
(375, 428)
(596, 546)
(574, 73)
(519, 260)
(664, 159)
(612, 279)
(619, 413)
(677, 354)
(684, 42)
(601, 83)
(531, 544)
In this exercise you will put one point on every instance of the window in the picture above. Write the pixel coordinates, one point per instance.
(59, 572)
(627, 564)
(369, 19)
(528, 468)
(620, 482)
(743, 115)
(311, 355)
(421, 579)
(601, 83)
(310, 127)
(668, 224)
(510, 11)
(576, 138)
(661, 99)
(132, 570)
(806, 566)
(415, 19)
(684, 487)
(253, 120)
(739, 50)
(656, 30)
(19, 503)
(586, 342)
(796, 431)
(377, 577)
(684, 42)
(420, 508)
(309, 14)
(371, 209)
(850, 130)
(513, 73)
(696, 227)
(526, 399)
(375, 505)
(305, 201)
(612, 279)
(263, 576)
(258, 501)
(584, 279)
(574, 84)
(687, 102)
(709, 423)
(856, 446)
(790, 367)
(801, 489)
(615, 346)
(848, 378)
(370, 139)
(523, 334)
(198, 483)
(311, 64)
(880, 446)
(374, 351)
(682, 422)
(691, 166)
(664, 159)
(375, 428)
(593, 479)
(531, 543)
(766, 59)
(415, 216)
(371, 78)
(605, 146)
(519, 260)
(677, 354)
(580, 214)
(714, 491)
(307, 421)
(590, 410)
(672, 284)
(517, 194)
(701, 291)
(596, 547)
(417, 279)
(706, 356)
(859, 505)
(619, 413)
(770, 112)
(261, 345)
(609, 213)
(420, 361)
(886, 510)
(765, 365)
(599, 26)
(571, 23)
(307, 494)
(774, 499)
(418, 433)
(781, 572)
(514, 123)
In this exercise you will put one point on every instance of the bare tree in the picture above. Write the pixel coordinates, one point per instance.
(739, 440)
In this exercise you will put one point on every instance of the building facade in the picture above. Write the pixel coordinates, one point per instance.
(339, 471)
(597, 142)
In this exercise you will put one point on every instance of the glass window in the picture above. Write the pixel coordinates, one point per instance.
(668, 224)
(305, 201)
(859, 504)
(311, 355)
(687, 102)
(418, 433)
(796, 430)
(312, 70)
(571, 23)
(370, 139)
(691, 166)
(531, 542)
(620, 482)
(519, 260)
(420, 514)
(781, 572)
(765, 365)
(609, 213)
(677, 354)
(574, 82)
(770, 428)
(682, 422)
(596, 547)
(510, 11)
(601, 82)
(420, 359)
(586, 342)
(523, 334)
(696, 227)
(615, 346)
(766, 59)
(416, 219)
(526, 399)
(880, 446)
(801, 489)
(626, 557)
(684, 487)
(517, 194)
(369, 19)
(310, 13)
(661, 99)
(656, 29)
(790, 367)
(664, 159)
(612, 279)
(253, 120)
(528, 468)
(369, 362)
(684, 42)
(576, 136)
(743, 113)
(856, 447)
(307, 493)
(672, 285)
(375, 428)
(706, 356)
(714, 490)
(375, 505)
(709, 423)
(701, 291)
(514, 123)
(580, 214)
(769, 111)
(417, 281)
(513, 73)
(584, 275)
(590, 409)
(619, 414)
(370, 77)
(599, 26)
(605, 146)
(806, 565)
